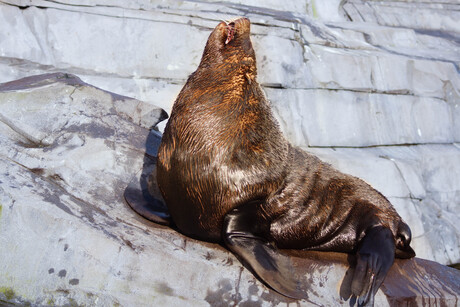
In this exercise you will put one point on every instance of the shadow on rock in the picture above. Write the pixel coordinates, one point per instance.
(345, 287)
(142, 193)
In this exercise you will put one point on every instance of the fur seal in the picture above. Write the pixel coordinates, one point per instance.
(228, 175)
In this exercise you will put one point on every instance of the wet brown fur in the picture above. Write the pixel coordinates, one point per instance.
(222, 148)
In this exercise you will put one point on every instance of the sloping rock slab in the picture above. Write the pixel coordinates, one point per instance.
(67, 152)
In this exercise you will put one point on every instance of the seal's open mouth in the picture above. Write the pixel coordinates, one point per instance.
(230, 32)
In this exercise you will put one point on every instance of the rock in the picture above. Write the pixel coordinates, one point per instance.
(434, 16)
(67, 152)
(362, 119)
(378, 78)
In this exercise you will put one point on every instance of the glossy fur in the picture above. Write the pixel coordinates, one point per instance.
(228, 175)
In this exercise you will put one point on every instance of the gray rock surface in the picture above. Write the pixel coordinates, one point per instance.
(67, 238)
(371, 86)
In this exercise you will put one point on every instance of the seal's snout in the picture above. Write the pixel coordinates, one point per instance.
(229, 38)
(236, 27)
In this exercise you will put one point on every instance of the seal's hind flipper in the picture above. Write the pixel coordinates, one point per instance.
(144, 197)
(375, 257)
(403, 239)
(243, 233)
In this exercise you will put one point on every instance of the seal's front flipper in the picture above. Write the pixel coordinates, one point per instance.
(144, 197)
(374, 259)
(243, 233)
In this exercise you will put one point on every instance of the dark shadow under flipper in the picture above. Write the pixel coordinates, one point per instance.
(142, 193)
(374, 259)
(243, 234)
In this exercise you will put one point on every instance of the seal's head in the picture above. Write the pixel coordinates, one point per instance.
(230, 44)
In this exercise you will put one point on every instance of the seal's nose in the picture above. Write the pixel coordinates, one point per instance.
(236, 26)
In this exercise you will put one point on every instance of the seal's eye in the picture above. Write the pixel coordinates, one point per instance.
(230, 32)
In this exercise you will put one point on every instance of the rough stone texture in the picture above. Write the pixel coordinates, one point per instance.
(372, 87)
(67, 151)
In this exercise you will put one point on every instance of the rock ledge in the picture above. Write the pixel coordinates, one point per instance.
(67, 151)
